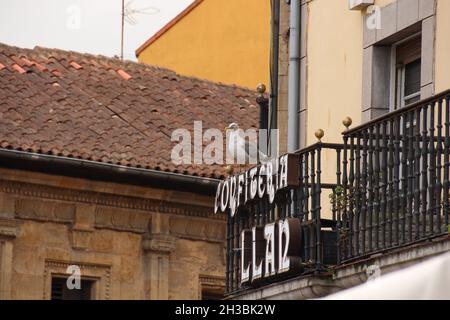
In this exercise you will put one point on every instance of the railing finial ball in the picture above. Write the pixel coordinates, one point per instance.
(319, 134)
(229, 169)
(261, 88)
(347, 122)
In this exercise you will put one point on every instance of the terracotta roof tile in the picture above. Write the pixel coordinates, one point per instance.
(102, 109)
(76, 65)
(18, 68)
(123, 74)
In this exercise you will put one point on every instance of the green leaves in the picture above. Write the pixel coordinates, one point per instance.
(337, 198)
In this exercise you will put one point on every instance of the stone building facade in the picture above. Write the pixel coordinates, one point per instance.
(87, 184)
(133, 242)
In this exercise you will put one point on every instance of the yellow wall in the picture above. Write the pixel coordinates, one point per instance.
(223, 41)
(335, 60)
(334, 76)
(442, 66)
(334, 64)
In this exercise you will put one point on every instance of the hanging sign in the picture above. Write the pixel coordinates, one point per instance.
(270, 250)
(257, 183)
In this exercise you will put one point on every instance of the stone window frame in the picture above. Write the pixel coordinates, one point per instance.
(100, 273)
(209, 282)
(399, 20)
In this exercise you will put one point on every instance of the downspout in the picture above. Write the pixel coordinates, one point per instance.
(274, 74)
(263, 103)
(294, 76)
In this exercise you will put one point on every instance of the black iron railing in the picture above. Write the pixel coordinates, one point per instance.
(318, 237)
(395, 187)
(390, 189)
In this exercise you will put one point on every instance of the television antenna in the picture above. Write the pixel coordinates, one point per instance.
(128, 15)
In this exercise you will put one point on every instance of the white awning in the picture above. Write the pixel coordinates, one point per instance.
(424, 281)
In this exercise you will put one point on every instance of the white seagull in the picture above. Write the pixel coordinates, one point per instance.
(247, 150)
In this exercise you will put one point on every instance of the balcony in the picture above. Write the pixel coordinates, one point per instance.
(386, 188)
(316, 240)
(395, 180)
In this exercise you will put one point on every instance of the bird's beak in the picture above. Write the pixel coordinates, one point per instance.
(225, 129)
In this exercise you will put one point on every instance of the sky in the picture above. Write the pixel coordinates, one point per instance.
(92, 26)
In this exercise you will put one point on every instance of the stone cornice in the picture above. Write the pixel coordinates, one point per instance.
(127, 202)
(161, 243)
(212, 281)
(9, 228)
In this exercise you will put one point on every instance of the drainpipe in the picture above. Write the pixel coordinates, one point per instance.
(294, 76)
(263, 103)
(274, 73)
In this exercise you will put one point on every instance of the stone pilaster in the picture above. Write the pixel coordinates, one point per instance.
(8, 232)
(157, 251)
(157, 245)
(82, 227)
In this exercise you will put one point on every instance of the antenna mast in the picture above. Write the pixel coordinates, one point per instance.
(123, 27)
(127, 15)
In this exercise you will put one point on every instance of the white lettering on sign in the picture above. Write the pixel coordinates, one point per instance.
(224, 195)
(272, 248)
(257, 258)
(261, 181)
(269, 235)
(216, 201)
(283, 172)
(283, 234)
(270, 186)
(261, 185)
(232, 201)
(246, 247)
(253, 183)
(241, 180)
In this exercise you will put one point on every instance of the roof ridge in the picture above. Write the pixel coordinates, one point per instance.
(130, 63)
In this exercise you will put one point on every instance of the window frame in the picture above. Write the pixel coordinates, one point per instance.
(93, 290)
(397, 94)
(99, 272)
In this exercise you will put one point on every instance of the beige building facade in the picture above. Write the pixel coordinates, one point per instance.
(370, 191)
(346, 60)
(347, 64)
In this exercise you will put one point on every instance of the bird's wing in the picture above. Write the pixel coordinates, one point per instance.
(253, 153)
(233, 142)
(246, 150)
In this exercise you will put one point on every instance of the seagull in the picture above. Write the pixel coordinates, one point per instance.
(238, 144)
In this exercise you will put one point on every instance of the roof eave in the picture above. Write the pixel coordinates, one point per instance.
(160, 178)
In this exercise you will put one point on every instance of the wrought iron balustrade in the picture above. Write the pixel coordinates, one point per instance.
(395, 180)
(318, 237)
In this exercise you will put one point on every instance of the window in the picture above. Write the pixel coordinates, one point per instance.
(211, 287)
(61, 292)
(406, 72)
(212, 294)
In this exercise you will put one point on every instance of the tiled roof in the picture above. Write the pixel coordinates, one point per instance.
(102, 109)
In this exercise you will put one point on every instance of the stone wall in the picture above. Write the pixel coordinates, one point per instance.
(135, 242)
